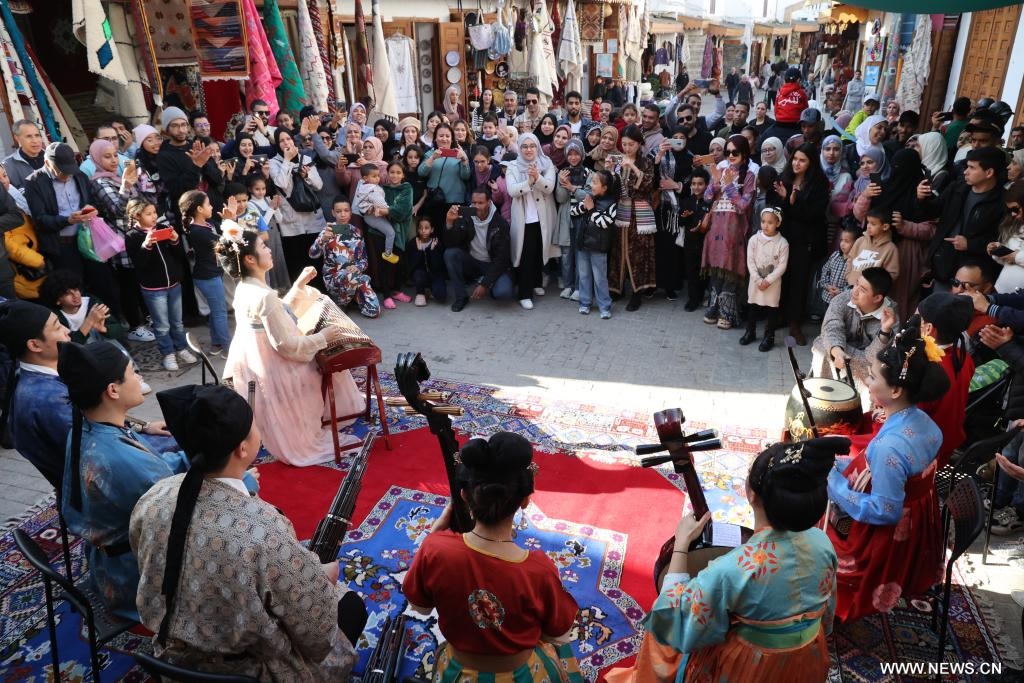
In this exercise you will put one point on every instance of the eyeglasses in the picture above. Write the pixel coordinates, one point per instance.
(963, 285)
(733, 152)
(108, 138)
(201, 125)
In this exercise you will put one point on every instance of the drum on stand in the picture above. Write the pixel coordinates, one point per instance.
(835, 408)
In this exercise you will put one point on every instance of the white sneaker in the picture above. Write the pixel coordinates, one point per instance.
(538, 291)
(186, 357)
(575, 296)
(170, 362)
(526, 303)
(566, 293)
(141, 334)
(145, 387)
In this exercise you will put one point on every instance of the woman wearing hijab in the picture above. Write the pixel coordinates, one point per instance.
(545, 130)
(609, 145)
(531, 180)
(870, 135)
(631, 259)
(384, 131)
(773, 154)
(557, 149)
(674, 169)
(840, 183)
(358, 114)
(299, 223)
(453, 109)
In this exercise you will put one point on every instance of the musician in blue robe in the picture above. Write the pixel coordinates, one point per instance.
(108, 468)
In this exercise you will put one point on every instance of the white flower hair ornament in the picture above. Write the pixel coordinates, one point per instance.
(232, 236)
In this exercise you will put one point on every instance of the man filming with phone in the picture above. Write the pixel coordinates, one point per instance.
(478, 249)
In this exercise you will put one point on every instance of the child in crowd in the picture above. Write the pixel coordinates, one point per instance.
(424, 256)
(489, 135)
(874, 249)
(833, 273)
(692, 211)
(196, 212)
(398, 193)
(87, 317)
(268, 210)
(766, 195)
(344, 253)
(594, 240)
(156, 250)
(767, 258)
(370, 203)
(573, 181)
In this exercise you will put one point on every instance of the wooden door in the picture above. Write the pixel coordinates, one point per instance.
(989, 45)
(934, 95)
(451, 38)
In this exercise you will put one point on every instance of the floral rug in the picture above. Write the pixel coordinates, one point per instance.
(598, 515)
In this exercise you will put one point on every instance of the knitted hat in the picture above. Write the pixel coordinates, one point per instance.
(171, 114)
(142, 132)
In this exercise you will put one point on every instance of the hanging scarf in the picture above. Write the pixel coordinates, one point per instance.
(290, 94)
(542, 161)
(832, 171)
(96, 151)
(669, 199)
(264, 76)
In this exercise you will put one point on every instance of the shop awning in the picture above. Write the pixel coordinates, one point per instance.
(805, 27)
(659, 25)
(845, 14)
(725, 30)
(690, 23)
(768, 29)
(934, 6)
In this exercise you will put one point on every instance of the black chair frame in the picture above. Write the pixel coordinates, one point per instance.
(158, 669)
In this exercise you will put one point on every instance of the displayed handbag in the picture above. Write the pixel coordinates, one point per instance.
(481, 35)
(303, 198)
(502, 42)
(98, 242)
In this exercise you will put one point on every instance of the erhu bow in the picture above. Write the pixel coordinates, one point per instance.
(410, 370)
(331, 530)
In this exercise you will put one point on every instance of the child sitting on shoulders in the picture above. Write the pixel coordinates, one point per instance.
(196, 212)
(874, 249)
(370, 203)
(593, 241)
(767, 258)
(343, 250)
(424, 260)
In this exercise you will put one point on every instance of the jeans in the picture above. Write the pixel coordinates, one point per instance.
(1009, 491)
(165, 309)
(463, 267)
(384, 227)
(592, 268)
(423, 281)
(213, 290)
(570, 278)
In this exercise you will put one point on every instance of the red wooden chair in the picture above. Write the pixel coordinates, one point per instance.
(362, 357)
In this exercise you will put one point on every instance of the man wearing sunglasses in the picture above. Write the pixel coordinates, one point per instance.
(698, 140)
(533, 113)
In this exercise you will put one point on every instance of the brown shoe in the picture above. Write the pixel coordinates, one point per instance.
(798, 335)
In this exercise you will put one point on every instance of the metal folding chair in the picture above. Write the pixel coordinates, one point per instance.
(159, 669)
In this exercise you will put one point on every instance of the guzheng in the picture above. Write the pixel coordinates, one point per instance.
(325, 313)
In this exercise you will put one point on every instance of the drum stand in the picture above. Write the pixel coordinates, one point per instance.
(366, 357)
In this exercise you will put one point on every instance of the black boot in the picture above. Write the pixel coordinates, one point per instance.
(750, 334)
(768, 341)
(634, 302)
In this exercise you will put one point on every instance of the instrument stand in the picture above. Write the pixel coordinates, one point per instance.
(366, 357)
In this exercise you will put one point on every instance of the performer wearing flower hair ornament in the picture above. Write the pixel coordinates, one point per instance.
(763, 610)
(268, 348)
(518, 623)
(885, 522)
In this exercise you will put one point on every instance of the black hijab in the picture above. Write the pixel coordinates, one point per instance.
(899, 192)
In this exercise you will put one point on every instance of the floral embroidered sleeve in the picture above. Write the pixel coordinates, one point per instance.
(883, 504)
(691, 613)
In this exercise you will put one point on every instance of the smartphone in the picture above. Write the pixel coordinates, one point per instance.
(450, 153)
(466, 212)
(613, 160)
(947, 116)
(677, 144)
(352, 158)
(876, 178)
(1002, 250)
(162, 234)
(88, 208)
(258, 158)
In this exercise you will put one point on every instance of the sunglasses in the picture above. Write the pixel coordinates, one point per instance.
(1014, 209)
(733, 152)
(686, 118)
(531, 101)
(262, 113)
(960, 283)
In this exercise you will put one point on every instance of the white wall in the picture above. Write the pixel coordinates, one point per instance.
(958, 60)
(426, 10)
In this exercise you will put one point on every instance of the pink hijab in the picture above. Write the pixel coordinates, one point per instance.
(377, 157)
(96, 151)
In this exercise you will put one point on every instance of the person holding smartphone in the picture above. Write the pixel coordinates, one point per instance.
(1009, 250)
(446, 169)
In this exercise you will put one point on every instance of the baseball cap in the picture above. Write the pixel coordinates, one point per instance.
(871, 97)
(62, 156)
(810, 115)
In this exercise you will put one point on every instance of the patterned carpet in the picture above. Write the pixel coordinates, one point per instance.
(593, 513)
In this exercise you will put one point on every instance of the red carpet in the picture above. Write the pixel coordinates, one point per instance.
(637, 502)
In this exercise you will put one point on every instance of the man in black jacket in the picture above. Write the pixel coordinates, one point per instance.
(182, 166)
(59, 199)
(479, 246)
(969, 215)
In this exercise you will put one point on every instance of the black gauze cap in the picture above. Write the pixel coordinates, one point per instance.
(207, 420)
(19, 322)
(87, 370)
(950, 314)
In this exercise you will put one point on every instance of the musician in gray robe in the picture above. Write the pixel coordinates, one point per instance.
(224, 582)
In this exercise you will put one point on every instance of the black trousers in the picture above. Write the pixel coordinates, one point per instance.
(795, 283)
(384, 276)
(296, 253)
(669, 261)
(769, 314)
(531, 261)
(692, 253)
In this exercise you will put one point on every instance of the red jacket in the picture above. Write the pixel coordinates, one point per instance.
(789, 103)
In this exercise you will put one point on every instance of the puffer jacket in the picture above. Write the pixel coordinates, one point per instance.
(790, 103)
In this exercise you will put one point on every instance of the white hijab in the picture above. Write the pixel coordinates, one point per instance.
(863, 133)
(542, 161)
(933, 151)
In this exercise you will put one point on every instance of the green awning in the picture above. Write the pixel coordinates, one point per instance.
(931, 6)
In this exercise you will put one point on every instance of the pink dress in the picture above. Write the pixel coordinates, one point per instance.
(269, 349)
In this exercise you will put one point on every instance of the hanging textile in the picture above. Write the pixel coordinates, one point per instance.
(361, 59)
(92, 28)
(290, 94)
(321, 44)
(556, 34)
(23, 68)
(547, 27)
(592, 22)
(570, 51)
(708, 63)
(311, 68)
(383, 86)
(538, 69)
(170, 30)
(914, 75)
(219, 35)
(67, 122)
(402, 57)
(183, 87)
(264, 75)
(146, 54)
(222, 103)
(127, 99)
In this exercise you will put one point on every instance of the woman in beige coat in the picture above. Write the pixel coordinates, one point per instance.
(531, 181)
